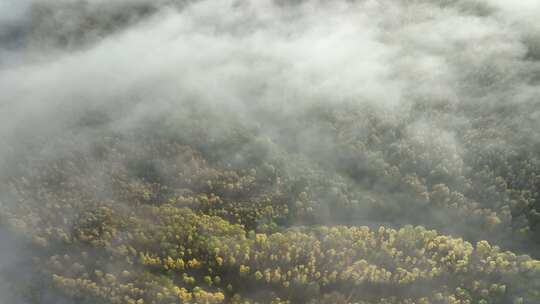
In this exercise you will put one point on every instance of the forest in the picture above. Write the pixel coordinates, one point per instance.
(280, 152)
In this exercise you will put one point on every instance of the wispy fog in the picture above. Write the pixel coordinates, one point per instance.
(75, 68)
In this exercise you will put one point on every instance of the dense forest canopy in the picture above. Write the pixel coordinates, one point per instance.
(272, 151)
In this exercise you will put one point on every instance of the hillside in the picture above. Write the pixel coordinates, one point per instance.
(270, 152)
